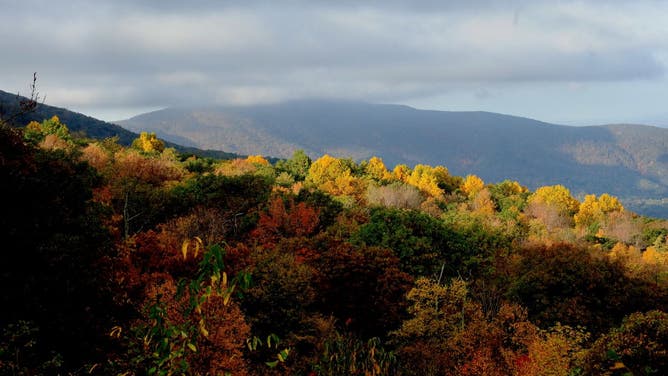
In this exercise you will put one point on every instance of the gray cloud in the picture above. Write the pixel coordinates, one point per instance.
(147, 53)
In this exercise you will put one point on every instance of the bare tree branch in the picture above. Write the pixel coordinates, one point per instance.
(26, 104)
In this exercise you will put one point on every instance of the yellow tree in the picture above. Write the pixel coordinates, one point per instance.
(255, 165)
(609, 203)
(472, 185)
(437, 310)
(557, 196)
(236, 167)
(425, 178)
(593, 211)
(401, 172)
(325, 169)
(553, 208)
(442, 175)
(148, 143)
(333, 176)
(376, 169)
(257, 159)
(656, 263)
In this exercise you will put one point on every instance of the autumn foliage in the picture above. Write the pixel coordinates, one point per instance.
(136, 260)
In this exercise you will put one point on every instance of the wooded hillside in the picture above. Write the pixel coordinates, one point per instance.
(139, 260)
(628, 161)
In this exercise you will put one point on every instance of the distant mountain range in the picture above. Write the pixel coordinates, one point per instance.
(630, 161)
(86, 125)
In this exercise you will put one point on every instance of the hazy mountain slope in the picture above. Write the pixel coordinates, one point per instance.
(621, 159)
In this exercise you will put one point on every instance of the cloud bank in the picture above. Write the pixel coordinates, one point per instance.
(120, 54)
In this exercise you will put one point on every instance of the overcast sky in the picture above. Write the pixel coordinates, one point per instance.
(571, 62)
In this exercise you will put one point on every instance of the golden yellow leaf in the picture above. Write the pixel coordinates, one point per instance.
(184, 248)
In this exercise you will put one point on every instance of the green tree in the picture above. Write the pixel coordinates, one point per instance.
(420, 241)
(510, 198)
(36, 133)
(297, 166)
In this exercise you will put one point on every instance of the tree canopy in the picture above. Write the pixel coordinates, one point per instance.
(140, 260)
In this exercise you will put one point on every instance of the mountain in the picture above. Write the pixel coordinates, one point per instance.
(75, 121)
(630, 161)
(89, 126)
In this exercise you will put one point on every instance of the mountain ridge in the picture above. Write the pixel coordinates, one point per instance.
(629, 161)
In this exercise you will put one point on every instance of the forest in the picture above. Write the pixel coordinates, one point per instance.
(142, 260)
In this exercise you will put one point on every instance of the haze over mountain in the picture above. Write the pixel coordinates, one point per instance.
(630, 161)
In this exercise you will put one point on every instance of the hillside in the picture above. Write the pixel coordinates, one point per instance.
(75, 121)
(91, 127)
(323, 267)
(626, 160)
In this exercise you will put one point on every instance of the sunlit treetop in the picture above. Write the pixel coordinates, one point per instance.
(472, 185)
(257, 159)
(401, 172)
(36, 132)
(557, 196)
(148, 143)
(376, 169)
(334, 176)
(593, 210)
